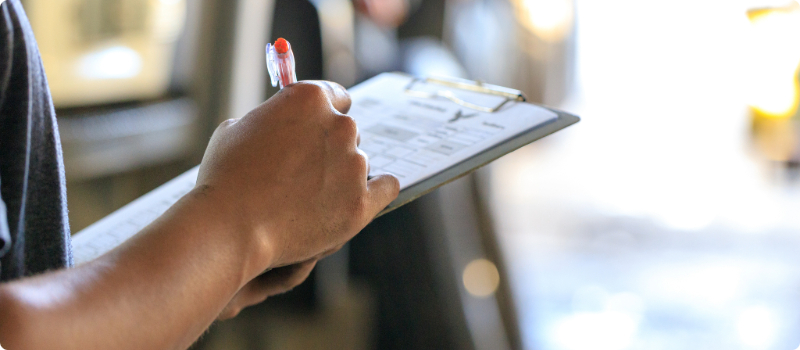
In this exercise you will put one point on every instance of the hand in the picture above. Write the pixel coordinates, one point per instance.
(289, 178)
(270, 283)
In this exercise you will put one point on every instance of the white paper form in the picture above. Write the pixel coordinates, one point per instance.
(415, 138)
(410, 137)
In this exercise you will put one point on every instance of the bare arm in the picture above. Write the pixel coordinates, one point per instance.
(158, 291)
(277, 189)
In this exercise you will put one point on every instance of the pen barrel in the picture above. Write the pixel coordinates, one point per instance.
(286, 69)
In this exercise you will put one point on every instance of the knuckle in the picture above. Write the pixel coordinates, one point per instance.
(394, 185)
(310, 91)
(295, 281)
(223, 128)
(363, 155)
(226, 123)
(229, 313)
(347, 125)
(260, 299)
(360, 163)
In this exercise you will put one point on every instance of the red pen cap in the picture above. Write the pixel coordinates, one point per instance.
(281, 45)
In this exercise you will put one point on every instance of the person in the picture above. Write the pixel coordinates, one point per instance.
(278, 189)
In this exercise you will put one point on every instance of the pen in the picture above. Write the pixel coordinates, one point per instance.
(280, 63)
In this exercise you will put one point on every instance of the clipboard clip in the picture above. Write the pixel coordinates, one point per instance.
(468, 85)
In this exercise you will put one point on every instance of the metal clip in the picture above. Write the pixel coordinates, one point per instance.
(468, 85)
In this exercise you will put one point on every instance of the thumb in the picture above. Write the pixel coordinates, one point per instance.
(382, 190)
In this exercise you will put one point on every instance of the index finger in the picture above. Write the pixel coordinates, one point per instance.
(337, 94)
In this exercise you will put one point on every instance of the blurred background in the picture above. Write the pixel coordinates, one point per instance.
(668, 218)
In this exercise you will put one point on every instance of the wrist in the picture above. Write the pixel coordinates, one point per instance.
(217, 215)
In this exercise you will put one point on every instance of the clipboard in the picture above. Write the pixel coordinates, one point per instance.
(562, 120)
(124, 223)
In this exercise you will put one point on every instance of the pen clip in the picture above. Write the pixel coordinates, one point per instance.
(272, 64)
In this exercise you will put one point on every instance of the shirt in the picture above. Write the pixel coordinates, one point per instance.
(34, 226)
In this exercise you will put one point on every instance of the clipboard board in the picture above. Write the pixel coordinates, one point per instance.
(463, 168)
(126, 222)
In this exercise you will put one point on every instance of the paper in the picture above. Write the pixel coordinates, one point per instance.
(415, 138)
(410, 137)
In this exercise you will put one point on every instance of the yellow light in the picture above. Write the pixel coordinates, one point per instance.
(775, 138)
(481, 278)
(549, 19)
(773, 84)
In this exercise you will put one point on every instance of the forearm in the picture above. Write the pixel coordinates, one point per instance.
(160, 290)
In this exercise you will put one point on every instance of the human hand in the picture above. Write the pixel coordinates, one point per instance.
(289, 179)
(270, 283)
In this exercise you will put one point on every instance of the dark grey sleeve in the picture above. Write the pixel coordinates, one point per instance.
(5, 65)
(33, 187)
(5, 237)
